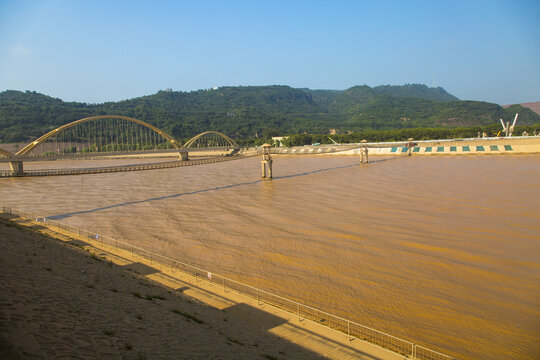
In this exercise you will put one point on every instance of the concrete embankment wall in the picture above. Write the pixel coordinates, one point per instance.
(485, 146)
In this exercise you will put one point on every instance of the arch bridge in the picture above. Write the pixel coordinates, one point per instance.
(213, 138)
(110, 135)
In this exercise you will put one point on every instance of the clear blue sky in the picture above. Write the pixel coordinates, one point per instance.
(96, 51)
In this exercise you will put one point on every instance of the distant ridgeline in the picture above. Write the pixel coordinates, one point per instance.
(248, 112)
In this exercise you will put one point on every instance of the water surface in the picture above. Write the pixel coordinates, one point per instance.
(441, 251)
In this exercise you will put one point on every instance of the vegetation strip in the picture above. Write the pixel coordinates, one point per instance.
(253, 114)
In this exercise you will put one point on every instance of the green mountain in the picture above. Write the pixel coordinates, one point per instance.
(419, 91)
(262, 111)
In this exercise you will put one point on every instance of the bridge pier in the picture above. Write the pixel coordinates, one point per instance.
(267, 168)
(364, 152)
(266, 162)
(410, 146)
(16, 168)
(184, 155)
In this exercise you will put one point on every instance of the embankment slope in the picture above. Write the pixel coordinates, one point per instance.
(58, 301)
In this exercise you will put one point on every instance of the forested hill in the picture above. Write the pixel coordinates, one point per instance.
(262, 111)
(415, 91)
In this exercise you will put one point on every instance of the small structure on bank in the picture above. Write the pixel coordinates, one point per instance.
(507, 129)
(266, 162)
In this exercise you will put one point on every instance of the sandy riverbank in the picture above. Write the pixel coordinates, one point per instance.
(58, 301)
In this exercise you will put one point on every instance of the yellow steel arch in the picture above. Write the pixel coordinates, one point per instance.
(193, 139)
(5, 153)
(35, 143)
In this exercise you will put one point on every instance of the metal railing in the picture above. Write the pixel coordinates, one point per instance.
(347, 327)
(422, 353)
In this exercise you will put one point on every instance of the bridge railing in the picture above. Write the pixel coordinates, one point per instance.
(350, 329)
(123, 168)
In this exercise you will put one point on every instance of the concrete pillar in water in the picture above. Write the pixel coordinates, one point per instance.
(364, 152)
(410, 146)
(16, 168)
(269, 167)
(266, 162)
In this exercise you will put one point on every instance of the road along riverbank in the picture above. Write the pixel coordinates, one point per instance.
(480, 146)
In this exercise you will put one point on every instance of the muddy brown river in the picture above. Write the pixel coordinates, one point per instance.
(441, 251)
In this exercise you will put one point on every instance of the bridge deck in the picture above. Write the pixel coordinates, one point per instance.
(110, 169)
(110, 154)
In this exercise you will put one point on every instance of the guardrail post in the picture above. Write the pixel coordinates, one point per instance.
(298, 310)
(348, 331)
(223, 280)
